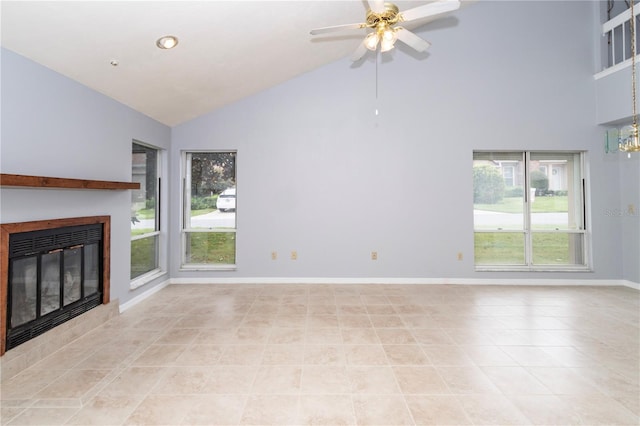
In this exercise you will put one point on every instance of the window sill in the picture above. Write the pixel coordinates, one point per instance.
(188, 268)
(145, 278)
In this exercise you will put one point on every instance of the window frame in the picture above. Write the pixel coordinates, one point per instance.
(528, 230)
(185, 210)
(153, 273)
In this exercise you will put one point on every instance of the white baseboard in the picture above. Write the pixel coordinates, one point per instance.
(630, 284)
(130, 303)
(405, 281)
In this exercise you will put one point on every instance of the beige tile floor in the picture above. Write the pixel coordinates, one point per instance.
(347, 355)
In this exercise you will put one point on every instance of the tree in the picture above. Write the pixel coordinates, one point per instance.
(488, 185)
(212, 172)
(539, 181)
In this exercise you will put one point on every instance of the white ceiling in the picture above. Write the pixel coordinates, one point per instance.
(228, 50)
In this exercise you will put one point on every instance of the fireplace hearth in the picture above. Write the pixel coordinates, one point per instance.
(52, 271)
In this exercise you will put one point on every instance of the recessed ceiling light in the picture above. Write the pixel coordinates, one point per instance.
(167, 42)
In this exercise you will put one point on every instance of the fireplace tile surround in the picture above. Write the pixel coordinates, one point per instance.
(20, 357)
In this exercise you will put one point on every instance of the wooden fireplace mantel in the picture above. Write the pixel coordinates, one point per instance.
(63, 183)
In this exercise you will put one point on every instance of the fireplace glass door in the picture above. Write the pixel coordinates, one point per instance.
(72, 275)
(25, 290)
(79, 279)
(54, 275)
(50, 279)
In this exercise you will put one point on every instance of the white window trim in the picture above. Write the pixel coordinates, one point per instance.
(186, 209)
(586, 230)
(146, 278)
(153, 274)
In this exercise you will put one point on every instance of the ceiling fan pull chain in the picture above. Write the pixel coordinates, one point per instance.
(377, 59)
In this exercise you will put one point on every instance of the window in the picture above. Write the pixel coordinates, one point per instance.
(145, 208)
(508, 172)
(209, 212)
(538, 222)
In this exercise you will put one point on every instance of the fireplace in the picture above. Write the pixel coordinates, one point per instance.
(52, 272)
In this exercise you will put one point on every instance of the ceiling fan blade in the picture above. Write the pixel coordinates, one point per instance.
(376, 6)
(359, 52)
(410, 39)
(435, 8)
(337, 28)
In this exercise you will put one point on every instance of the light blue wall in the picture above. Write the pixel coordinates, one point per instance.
(52, 126)
(614, 109)
(320, 173)
(629, 216)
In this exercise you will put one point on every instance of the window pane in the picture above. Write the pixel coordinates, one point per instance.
(212, 185)
(554, 248)
(210, 204)
(540, 194)
(210, 248)
(499, 248)
(498, 191)
(144, 255)
(144, 211)
(143, 201)
(557, 181)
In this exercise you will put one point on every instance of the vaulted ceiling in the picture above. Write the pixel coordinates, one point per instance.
(227, 50)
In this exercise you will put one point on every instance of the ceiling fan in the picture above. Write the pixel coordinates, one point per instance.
(385, 19)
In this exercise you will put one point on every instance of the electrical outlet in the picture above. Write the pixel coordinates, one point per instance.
(459, 255)
(374, 255)
(294, 255)
(274, 255)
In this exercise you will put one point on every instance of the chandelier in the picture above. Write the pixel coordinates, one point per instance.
(628, 139)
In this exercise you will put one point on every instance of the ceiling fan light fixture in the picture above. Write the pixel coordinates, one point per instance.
(388, 39)
(167, 42)
(389, 35)
(371, 41)
(382, 19)
(385, 46)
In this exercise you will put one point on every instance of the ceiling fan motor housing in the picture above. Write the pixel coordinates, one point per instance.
(389, 17)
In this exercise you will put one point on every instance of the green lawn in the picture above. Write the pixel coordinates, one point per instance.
(143, 256)
(499, 248)
(204, 248)
(145, 214)
(556, 203)
(201, 212)
(211, 248)
(507, 248)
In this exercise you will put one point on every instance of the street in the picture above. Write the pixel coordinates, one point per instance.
(493, 220)
(215, 219)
